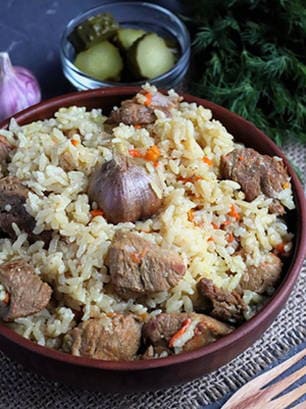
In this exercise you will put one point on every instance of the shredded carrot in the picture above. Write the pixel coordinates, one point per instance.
(155, 164)
(135, 257)
(226, 223)
(280, 248)
(190, 215)
(210, 239)
(6, 299)
(96, 212)
(148, 100)
(191, 179)
(180, 332)
(144, 316)
(135, 153)
(286, 185)
(233, 213)
(215, 226)
(74, 142)
(230, 237)
(152, 154)
(144, 252)
(240, 158)
(208, 161)
(137, 126)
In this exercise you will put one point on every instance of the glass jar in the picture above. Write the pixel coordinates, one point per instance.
(147, 16)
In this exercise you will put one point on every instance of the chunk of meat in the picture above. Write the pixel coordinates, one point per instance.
(5, 148)
(66, 162)
(277, 208)
(131, 113)
(207, 331)
(164, 331)
(113, 338)
(263, 277)
(159, 329)
(139, 267)
(162, 102)
(224, 305)
(27, 293)
(255, 173)
(13, 195)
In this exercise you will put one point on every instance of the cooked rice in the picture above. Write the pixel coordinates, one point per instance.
(45, 160)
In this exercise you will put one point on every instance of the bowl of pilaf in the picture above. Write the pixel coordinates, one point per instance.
(147, 238)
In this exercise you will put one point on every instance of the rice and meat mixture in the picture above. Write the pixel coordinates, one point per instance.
(138, 235)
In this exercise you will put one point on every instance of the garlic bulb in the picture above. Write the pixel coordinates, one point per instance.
(19, 89)
(122, 189)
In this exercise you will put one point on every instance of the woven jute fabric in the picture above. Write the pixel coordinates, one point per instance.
(24, 390)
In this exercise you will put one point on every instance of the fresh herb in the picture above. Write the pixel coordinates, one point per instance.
(253, 61)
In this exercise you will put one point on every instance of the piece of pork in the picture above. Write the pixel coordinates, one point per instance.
(224, 305)
(163, 102)
(13, 195)
(139, 267)
(5, 148)
(167, 331)
(26, 292)
(132, 112)
(277, 208)
(113, 338)
(263, 277)
(256, 174)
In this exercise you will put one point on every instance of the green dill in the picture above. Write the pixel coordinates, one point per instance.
(251, 58)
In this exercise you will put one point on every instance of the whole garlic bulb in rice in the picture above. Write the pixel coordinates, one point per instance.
(19, 88)
(122, 189)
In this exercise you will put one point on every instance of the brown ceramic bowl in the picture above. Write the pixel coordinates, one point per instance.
(160, 373)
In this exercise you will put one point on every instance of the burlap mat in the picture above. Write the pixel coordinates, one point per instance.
(23, 390)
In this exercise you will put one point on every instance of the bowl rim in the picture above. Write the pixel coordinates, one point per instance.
(183, 57)
(275, 302)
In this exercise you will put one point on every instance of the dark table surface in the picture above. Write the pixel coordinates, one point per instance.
(30, 31)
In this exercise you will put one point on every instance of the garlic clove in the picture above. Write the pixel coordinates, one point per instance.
(19, 88)
(122, 189)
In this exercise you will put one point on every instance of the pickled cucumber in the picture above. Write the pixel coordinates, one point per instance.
(101, 61)
(92, 31)
(127, 36)
(150, 57)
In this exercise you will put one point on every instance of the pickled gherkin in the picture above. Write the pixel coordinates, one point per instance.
(109, 52)
(92, 31)
(150, 57)
(127, 37)
(101, 61)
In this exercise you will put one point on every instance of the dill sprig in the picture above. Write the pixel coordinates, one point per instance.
(251, 57)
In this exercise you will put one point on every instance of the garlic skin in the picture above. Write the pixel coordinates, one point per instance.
(19, 89)
(122, 189)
